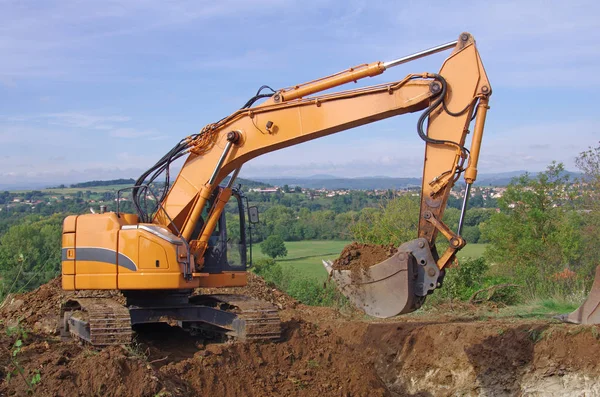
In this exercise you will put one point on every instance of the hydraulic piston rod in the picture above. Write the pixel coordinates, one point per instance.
(420, 54)
(354, 74)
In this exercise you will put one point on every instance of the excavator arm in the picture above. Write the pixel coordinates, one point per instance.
(291, 117)
(449, 101)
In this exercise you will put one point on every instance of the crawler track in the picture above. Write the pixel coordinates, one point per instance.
(98, 321)
(104, 322)
(256, 320)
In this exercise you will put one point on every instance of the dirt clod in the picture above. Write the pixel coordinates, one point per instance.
(357, 256)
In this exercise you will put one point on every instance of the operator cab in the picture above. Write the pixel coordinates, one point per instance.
(227, 247)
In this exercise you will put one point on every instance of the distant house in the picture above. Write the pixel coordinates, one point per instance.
(265, 190)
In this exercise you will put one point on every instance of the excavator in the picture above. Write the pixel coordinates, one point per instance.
(177, 241)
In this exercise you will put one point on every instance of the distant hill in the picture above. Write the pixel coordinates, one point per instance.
(312, 182)
(504, 178)
(382, 182)
(368, 183)
(247, 183)
(130, 181)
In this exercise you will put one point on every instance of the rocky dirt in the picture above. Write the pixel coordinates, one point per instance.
(357, 256)
(321, 353)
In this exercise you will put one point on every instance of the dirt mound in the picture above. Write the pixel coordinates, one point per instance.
(259, 289)
(68, 369)
(311, 361)
(357, 256)
(39, 309)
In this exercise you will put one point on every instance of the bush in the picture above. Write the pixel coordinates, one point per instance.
(271, 272)
(306, 290)
(463, 281)
(312, 292)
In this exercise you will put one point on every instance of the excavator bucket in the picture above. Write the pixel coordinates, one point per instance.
(589, 311)
(395, 286)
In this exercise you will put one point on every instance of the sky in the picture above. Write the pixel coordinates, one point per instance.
(102, 89)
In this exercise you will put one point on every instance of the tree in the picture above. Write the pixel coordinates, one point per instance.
(30, 253)
(274, 247)
(589, 163)
(536, 233)
(395, 222)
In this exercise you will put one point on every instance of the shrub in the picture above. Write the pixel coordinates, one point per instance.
(311, 292)
(271, 272)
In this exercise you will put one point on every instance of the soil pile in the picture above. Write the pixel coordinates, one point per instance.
(356, 256)
(39, 309)
(310, 361)
(68, 369)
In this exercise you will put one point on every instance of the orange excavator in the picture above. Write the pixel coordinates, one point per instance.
(177, 241)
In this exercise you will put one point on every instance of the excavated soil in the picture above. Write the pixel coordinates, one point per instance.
(358, 256)
(321, 353)
(38, 311)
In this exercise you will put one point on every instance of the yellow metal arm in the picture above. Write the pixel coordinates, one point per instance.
(292, 116)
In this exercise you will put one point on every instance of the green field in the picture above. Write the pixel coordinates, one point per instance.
(472, 251)
(304, 257)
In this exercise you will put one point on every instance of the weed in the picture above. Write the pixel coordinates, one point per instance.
(313, 364)
(20, 334)
(500, 331)
(90, 353)
(547, 334)
(36, 378)
(535, 335)
(298, 383)
(136, 349)
(577, 330)
(595, 332)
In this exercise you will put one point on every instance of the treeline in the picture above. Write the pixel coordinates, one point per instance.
(30, 253)
(121, 181)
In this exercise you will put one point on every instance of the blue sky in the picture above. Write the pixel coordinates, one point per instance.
(102, 89)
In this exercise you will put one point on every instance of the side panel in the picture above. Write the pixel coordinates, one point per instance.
(96, 251)
(68, 253)
(155, 264)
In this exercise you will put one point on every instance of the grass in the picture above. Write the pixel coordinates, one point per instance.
(472, 251)
(540, 308)
(304, 257)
